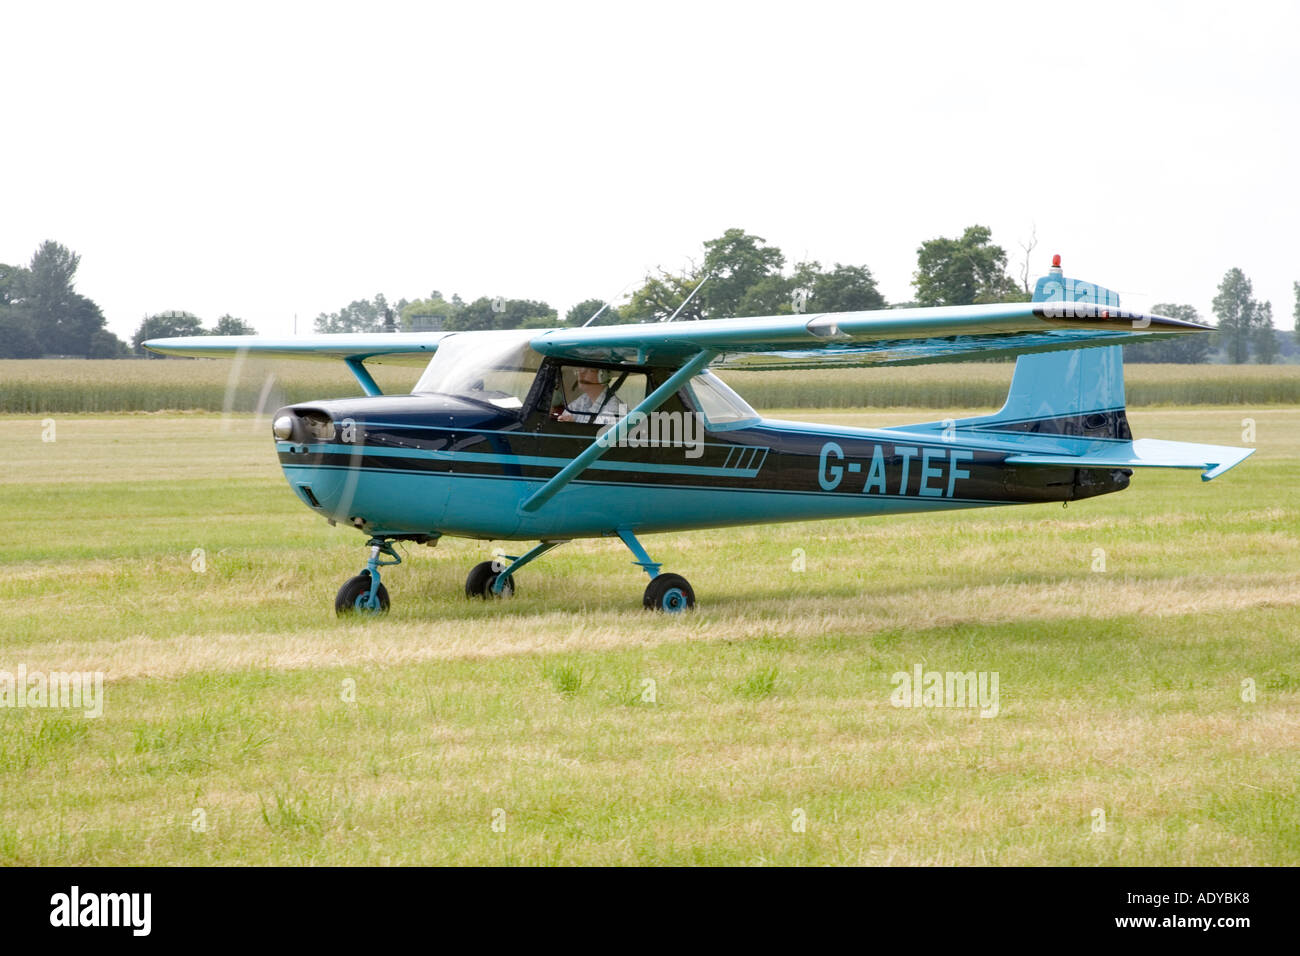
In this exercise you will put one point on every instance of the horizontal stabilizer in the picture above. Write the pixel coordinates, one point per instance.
(1213, 460)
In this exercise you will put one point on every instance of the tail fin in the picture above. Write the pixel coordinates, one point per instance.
(1080, 392)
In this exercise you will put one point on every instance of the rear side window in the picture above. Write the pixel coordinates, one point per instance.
(719, 404)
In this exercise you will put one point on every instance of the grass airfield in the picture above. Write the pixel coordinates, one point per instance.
(244, 724)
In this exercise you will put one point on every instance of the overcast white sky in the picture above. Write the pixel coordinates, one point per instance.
(271, 159)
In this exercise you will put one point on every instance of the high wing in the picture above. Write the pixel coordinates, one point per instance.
(382, 348)
(882, 337)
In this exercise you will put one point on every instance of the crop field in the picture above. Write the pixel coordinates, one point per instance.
(1145, 647)
(67, 385)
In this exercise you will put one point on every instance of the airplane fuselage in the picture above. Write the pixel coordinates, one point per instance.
(422, 464)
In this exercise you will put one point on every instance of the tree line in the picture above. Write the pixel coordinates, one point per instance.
(740, 274)
(42, 314)
(737, 274)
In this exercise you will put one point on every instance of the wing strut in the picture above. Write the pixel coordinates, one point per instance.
(368, 384)
(617, 432)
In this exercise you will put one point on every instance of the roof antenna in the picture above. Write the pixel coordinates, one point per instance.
(596, 316)
(604, 307)
(689, 297)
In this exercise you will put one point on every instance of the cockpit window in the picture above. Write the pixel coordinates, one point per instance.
(720, 405)
(491, 368)
(601, 396)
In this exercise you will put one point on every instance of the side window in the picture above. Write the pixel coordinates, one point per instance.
(719, 404)
(591, 395)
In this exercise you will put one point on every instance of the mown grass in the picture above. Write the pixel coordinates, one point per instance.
(69, 386)
(243, 723)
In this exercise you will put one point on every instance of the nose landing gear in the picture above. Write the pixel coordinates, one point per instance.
(365, 593)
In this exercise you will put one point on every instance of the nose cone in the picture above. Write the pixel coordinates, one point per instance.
(282, 427)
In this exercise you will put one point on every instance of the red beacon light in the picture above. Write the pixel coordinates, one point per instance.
(1056, 261)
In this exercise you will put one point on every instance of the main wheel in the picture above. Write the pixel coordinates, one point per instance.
(669, 592)
(352, 597)
(480, 581)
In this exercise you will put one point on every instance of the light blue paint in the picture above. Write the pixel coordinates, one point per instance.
(499, 582)
(476, 506)
(643, 559)
(363, 376)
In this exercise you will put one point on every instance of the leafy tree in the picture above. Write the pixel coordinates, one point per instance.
(51, 273)
(361, 315)
(964, 271)
(162, 326)
(545, 321)
(746, 277)
(1263, 337)
(770, 295)
(735, 263)
(42, 300)
(11, 278)
(1235, 308)
(661, 295)
(105, 345)
(431, 313)
(584, 310)
(845, 289)
(229, 325)
(1295, 314)
(842, 289)
(16, 338)
(484, 313)
(1189, 349)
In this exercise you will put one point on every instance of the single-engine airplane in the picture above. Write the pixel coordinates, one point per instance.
(623, 430)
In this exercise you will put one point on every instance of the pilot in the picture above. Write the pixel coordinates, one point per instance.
(594, 403)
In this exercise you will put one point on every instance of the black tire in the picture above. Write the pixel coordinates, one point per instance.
(480, 581)
(670, 593)
(355, 589)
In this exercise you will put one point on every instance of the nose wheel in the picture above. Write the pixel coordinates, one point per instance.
(354, 597)
(365, 594)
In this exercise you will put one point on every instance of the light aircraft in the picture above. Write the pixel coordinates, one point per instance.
(623, 430)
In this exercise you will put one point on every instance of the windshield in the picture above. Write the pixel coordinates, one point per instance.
(720, 405)
(493, 368)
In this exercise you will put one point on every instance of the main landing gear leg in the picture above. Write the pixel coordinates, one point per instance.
(671, 593)
(489, 579)
(366, 594)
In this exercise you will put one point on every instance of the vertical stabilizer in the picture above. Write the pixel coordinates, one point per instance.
(1078, 392)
